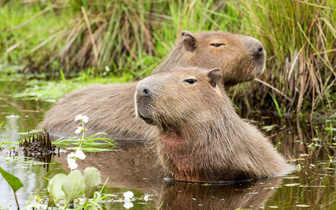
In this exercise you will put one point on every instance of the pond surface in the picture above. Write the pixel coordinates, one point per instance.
(132, 167)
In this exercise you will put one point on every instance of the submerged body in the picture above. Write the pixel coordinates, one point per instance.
(111, 107)
(199, 136)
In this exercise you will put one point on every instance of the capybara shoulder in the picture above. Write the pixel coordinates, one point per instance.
(200, 137)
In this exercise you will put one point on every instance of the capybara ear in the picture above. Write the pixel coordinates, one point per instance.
(214, 76)
(189, 40)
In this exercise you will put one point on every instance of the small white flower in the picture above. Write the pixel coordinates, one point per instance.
(128, 195)
(80, 154)
(71, 155)
(73, 165)
(79, 129)
(81, 117)
(78, 117)
(146, 197)
(85, 119)
(107, 68)
(72, 161)
(128, 204)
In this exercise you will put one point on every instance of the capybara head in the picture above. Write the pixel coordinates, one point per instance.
(174, 98)
(240, 58)
(200, 137)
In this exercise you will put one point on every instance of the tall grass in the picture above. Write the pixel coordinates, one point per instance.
(300, 40)
(134, 36)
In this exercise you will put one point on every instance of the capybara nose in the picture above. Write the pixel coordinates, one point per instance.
(256, 48)
(145, 91)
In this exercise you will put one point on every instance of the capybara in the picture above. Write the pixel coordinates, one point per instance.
(111, 107)
(200, 137)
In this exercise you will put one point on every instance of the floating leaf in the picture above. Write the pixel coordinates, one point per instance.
(12, 180)
(73, 186)
(92, 180)
(55, 187)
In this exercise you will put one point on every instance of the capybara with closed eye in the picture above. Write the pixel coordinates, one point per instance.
(111, 107)
(199, 136)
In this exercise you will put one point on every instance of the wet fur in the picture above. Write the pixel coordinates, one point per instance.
(200, 137)
(111, 107)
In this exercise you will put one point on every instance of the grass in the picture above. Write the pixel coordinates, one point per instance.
(299, 38)
(132, 37)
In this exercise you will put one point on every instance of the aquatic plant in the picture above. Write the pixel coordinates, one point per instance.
(38, 143)
(71, 185)
(14, 182)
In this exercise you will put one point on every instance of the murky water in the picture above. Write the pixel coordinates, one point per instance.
(133, 167)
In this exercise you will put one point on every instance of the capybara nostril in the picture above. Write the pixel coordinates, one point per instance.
(261, 50)
(145, 92)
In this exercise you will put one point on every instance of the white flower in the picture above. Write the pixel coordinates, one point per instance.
(79, 129)
(73, 165)
(80, 154)
(128, 204)
(146, 197)
(85, 119)
(107, 68)
(71, 156)
(128, 195)
(78, 117)
(72, 161)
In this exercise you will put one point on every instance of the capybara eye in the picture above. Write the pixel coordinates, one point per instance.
(190, 81)
(217, 44)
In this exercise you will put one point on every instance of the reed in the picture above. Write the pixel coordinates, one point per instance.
(299, 37)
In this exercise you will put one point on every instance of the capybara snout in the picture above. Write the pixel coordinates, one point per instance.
(255, 47)
(143, 98)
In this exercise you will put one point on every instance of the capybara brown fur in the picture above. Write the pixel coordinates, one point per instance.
(111, 107)
(200, 137)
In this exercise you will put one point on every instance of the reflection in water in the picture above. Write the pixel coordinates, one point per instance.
(179, 195)
(134, 166)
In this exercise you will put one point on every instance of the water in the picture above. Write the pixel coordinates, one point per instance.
(132, 167)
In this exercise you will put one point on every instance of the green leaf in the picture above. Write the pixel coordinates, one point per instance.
(268, 127)
(55, 186)
(95, 150)
(12, 180)
(92, 180)
(73, 186)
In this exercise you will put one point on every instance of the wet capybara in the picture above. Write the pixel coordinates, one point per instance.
(111, 107)
(200, 137)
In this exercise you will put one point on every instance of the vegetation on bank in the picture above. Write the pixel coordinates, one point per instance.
(132, 37)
